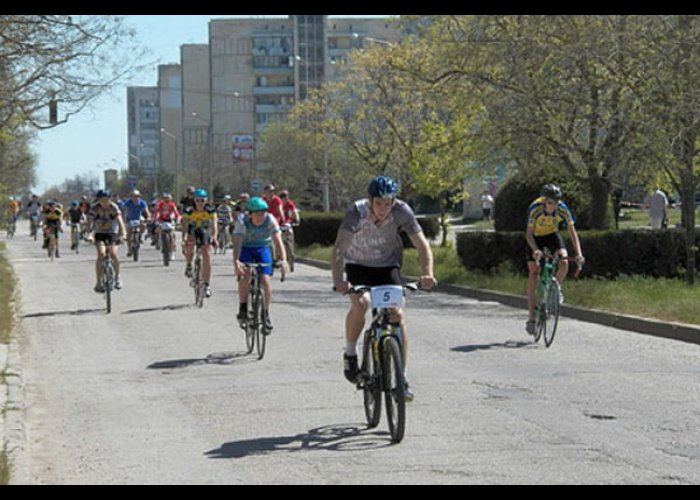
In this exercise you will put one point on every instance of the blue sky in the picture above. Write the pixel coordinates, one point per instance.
(96, 139)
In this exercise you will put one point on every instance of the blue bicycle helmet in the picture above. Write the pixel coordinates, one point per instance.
(201, 193)
(103, 193)
(256, 205)
(383, 187)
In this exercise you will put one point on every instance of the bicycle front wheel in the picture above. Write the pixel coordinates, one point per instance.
(370, 374)
(394, 388)
(198, 284)
(552, 296)
(261, 338)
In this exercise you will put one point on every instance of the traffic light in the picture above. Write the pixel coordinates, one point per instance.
(53, 111)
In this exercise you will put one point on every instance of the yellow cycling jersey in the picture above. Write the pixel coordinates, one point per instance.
(543, 223)
(53, 216)
(200, 219)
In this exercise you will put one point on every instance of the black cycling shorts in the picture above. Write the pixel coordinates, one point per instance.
(553, 242)
(107, 238)
(372, 276)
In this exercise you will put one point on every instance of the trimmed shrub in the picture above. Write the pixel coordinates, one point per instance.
(609, 254)
(318, 227)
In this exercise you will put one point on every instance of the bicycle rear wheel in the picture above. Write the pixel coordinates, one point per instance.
(394, 388)
(551, 304)
(370, 385)
(107, 283)
(165, 248)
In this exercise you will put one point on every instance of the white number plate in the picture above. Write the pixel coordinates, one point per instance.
(387, 296)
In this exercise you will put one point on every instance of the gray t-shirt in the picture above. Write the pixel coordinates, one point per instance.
(377, 246)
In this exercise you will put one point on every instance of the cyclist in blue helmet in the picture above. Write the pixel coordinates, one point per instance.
(369, 249)
(252, 235)
(200, 228)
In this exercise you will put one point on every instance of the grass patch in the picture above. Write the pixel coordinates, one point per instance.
(7, 287)
(663, 299)
(4, 468)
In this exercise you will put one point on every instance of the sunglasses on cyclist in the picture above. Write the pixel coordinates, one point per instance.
(199, 200)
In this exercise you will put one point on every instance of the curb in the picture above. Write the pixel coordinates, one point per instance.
(664, 329)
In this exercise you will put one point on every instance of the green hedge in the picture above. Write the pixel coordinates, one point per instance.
(609, 254)
(322, 228)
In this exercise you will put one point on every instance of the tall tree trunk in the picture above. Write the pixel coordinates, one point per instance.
(599, 188)
(688, 204)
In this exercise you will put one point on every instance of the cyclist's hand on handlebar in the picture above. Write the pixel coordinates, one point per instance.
(580, 260)
(537, 255)
(427, 282)
(285, 266)
(342, 287)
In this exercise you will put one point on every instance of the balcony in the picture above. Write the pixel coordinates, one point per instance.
(274, 90)
(273, 108)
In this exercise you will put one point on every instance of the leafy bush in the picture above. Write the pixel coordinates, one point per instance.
(609, 254)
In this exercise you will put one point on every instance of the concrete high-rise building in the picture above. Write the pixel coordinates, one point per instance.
(143, 120)
(196, 118)
(170, 98)
(213, 106)
(261, 67)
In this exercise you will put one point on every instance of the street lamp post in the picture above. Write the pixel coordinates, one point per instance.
(177, 173)
(210, 151)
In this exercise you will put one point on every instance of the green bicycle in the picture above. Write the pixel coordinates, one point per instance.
(549, 297)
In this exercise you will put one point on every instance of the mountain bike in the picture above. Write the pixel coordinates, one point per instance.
(11, 226)
(75, 237)
(166, 230)
(34, 225)
(254, 327)
(288, 241)
(222, 236)
(382, 367)
(107, 277)
(197, 281)
(51, 234)
(549, 297)
(135, 239)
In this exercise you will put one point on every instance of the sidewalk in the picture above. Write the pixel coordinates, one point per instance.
(675, 331)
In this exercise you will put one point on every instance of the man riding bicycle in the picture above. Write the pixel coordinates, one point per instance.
(544, 217)
(135, 209)
(200, 228)
(52, 218)
(12, 210)
(34, 214)
(106, 221)
(370, 247)
(251, 244)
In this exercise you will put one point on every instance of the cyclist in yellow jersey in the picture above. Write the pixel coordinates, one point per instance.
(544, 216)
(200, 227)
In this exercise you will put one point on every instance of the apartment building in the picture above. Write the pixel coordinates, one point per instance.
(143, 122)
(217, 101)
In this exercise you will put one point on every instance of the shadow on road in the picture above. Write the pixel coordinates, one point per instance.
(509, 344)
(219, 358)
(169, 307)
(341, 437)
(77, 312)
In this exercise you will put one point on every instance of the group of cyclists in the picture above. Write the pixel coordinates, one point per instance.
(367, 251)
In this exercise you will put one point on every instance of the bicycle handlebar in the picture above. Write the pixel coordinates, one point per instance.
(360, 289)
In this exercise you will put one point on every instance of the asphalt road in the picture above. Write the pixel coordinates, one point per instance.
(161, 392)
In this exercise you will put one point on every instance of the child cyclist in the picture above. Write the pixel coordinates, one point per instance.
(251, 244)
